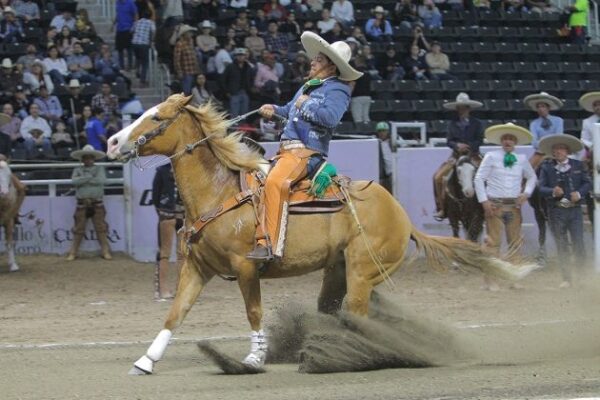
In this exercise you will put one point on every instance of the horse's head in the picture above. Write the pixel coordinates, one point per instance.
(5, 174)
(465, 172)
(151, 133)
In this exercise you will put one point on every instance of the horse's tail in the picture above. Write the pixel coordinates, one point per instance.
(442, 251)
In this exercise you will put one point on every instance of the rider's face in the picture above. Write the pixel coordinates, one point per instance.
(560, 152)
(508, 143)
(321, 67)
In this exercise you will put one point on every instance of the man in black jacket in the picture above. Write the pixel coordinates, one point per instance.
(565, 183)
(237, 82)
(169, 208)
(465, 135)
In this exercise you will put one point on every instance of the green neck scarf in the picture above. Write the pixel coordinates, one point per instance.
(312, 84)
(509, 160)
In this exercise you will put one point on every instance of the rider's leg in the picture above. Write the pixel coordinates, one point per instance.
(78, 231)
(101, 227)
(439, 186)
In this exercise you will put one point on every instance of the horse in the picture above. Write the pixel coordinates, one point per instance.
(460, 203)
(8, 212)
(354, 258)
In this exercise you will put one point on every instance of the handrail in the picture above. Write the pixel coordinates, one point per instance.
(162, 84)
(62, 165)
(594, 21)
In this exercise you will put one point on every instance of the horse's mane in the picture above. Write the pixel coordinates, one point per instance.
(228, 148)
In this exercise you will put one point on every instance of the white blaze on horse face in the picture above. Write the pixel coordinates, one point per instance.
(466, 174)
(116, 141)
(5, 174)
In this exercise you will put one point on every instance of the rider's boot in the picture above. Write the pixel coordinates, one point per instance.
(439, 215)
(104, 246)
(75, 247)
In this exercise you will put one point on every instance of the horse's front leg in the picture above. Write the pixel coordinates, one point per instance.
(191, 283)
(10, 246)
(249, 283)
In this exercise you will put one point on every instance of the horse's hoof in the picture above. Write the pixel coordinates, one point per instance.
(137, 372)
(14, 268)
(255, 359)
(143, 366)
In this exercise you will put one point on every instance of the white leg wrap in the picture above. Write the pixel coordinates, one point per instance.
(258, 350)
(12, 263)
(158, 347)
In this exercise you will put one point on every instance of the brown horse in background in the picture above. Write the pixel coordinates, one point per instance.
(206, 164)
(8, 212)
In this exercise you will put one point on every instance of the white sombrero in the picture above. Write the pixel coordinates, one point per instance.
(494, 134)
(88, 150)
(547, 142)
(533, 100)
(185, 29)
(339, 53)
(462, 99)
(587, 101)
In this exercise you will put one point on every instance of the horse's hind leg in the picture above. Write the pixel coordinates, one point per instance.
(333, 288)
(10, 245)
(191, 283)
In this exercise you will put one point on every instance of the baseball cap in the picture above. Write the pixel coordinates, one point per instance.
(382, 126)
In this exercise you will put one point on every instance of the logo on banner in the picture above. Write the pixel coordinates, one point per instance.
(29, 235)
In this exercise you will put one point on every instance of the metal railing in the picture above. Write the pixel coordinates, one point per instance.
(108, 9)
(164, 79)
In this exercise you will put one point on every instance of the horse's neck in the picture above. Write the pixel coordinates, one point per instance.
(203, 182)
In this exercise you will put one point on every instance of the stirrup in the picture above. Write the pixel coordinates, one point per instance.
(261, 253)
(439, 216)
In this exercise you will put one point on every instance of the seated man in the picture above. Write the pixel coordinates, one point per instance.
(313, 113)
(465, 135)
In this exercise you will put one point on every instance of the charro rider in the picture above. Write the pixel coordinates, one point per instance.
(545, 124)
(465, 135)
(312, 114)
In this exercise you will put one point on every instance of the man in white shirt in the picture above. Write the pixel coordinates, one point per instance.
(326, 23)
(36, 131)
(343, 12)
(498, 184)
(590, 102)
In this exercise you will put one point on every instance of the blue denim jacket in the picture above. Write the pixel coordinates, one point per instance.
(315, 121)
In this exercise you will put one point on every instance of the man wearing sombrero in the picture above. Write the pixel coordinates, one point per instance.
(313, 113)
(565, 182)
(465, 135)
(545, 124)
(89, 189)
(498, 184)
(590, 102)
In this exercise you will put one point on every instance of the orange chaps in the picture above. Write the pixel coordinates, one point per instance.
(290, 168)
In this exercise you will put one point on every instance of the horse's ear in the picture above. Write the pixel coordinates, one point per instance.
(183, 100)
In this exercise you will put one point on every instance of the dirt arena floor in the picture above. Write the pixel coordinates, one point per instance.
(73, 330)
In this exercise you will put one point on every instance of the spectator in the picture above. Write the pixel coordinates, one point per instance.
(10, 77)
(438, 63)
(315, 5)
(65, 41)
(143, 36)
(38, 77)
(389, 66)
(385, 156)
(430, 14)
(36, 132)
(541, 6)
(326, 23)
(545, 124)
(275, 41)
(565, 183)
(300, 67)
(274, 11)
(113, 124)
(94, 129)
(51, 35)
(207, 9)
(291, 27)
(28, 11)
(146, 7)
(360, 101)
(60, 20)
(370, 61)
(105, 100)
(169, 207)
(172, 13)
(237, 82)
(254, 43)
(207, 43)
(578, 20)
(420, 40)
(406, 14)
(378, 28)
(590, 102)
(174, 88)
(74, 102)
(49, 106)
(238, 4)
(515, 6)
(56, 66)
(60, 136)
(266, 80)
(233, 38)
(358, 34)
(336, 34)
(25, 61)
(222, 59)
(415, 65)
(11, 127)
(464, 137)
(5, 147)
(185, 60)
(343, 12)
(80, 65)
(89, 181)
(500, 190)
(11, 30)
(82, 122)
(84, 28)
(107, 69)
(241, 25)
(132, 106)
(125, 15)
(20, 102)
(260, 21)
(200, 93)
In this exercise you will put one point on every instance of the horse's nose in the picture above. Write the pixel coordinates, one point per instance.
(469, 193)
(113, 147)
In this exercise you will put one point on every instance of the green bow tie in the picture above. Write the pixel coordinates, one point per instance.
(311, 84)
(509, 160)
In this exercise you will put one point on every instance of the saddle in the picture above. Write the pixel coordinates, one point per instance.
(300, 200)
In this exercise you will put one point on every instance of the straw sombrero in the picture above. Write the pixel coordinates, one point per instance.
(533, 100)
(494, 134)
(547, 142)
(339, 53)
(185, 29)
(88, 150)
(4, 119)
(587, 101)
(462, 99)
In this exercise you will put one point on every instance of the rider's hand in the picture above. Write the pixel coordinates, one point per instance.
(557, 191)
(575, 197)
(300, 100)
(522, 199)
(488, 208)
(267, 111)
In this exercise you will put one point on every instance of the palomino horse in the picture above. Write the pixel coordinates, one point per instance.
(8, 212)
(461, 204)
(206, 161)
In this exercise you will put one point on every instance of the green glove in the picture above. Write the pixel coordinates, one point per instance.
(322, 180)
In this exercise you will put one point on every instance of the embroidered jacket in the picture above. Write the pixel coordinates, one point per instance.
(316, 119)
(576, 179)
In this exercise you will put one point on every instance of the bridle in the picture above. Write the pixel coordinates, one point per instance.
(464, 159)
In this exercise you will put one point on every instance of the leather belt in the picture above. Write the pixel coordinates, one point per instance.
(504, 200)
(292, 144)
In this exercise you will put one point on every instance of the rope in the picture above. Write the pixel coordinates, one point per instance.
(376, 259)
